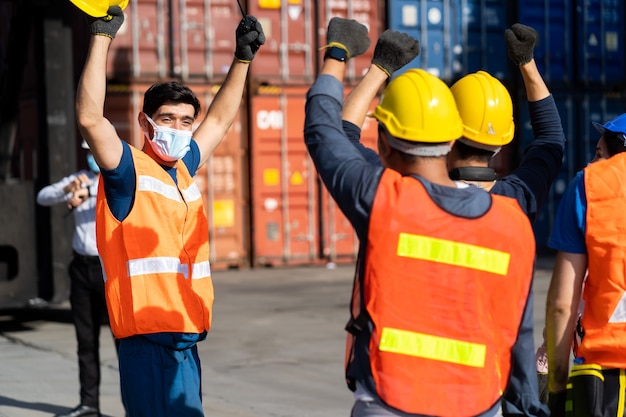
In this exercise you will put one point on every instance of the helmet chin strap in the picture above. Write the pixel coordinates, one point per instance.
(473, 174)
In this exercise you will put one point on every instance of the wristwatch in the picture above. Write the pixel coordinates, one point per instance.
(337, 53)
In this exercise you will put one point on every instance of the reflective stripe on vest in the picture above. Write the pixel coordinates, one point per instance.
(604, 319)
(432, 347)
(453, 253)
(156, 261)
(445, 296)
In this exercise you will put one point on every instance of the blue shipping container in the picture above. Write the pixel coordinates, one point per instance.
(601, 42)
(581, 42)
(553, 20)
(456, 37)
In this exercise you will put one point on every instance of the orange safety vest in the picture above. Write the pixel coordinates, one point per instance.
(445, 297)
(604, 319)
(156, 261)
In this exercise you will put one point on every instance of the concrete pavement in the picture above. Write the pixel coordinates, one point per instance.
(276, 348)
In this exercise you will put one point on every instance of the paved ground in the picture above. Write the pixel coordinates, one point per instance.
(275, 350)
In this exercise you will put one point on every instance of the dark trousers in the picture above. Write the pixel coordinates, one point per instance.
(89, 313)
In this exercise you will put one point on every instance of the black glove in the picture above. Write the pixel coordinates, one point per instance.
(347, 34)
(250, 37)
(520, 42)
(394, 50)
(109, 24)
(556, 403)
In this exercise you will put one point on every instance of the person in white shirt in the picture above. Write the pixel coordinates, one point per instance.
(78, 192)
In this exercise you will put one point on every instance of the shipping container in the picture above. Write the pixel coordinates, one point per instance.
(283, 180)
(600, 42)
(191, 40)
(581, 42)
(296, 32)
(577, 110)
(555, 25)
(290, 50)
(222, 181)
(456, 37)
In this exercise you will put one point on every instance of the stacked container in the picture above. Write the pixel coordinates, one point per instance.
(581, 56)
(294, 221)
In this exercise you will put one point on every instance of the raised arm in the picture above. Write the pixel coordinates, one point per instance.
(543, 157)
(223, 109)
(393, 51)
(521, 41)
(94, 127)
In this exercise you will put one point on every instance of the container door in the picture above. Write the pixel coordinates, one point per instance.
(284, 195)
(224, 189)
(205, 34)
(141, 46)
(434, 25)
(554, 22)
(288, 56)
(484, 23)
(600, 42)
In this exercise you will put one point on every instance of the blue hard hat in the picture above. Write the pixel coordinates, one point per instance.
(617, 125)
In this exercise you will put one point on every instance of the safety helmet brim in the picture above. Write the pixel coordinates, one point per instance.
(616, 125)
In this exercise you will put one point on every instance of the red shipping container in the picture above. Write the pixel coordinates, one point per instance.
(194, 40)
(221, 181)
(295, 221)
(283, 180)
(289, 54)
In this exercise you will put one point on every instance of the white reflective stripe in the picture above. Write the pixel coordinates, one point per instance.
(147, 183)
(192, 193)
(619, 314)
(156, 265)
(201, 270)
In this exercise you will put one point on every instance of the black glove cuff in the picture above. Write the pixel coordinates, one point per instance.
(337, 53)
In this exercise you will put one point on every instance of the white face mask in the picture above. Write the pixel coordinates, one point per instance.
(169, 144)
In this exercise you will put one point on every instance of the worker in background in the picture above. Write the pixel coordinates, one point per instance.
(588, 236)
(445, 268)
(152, 227)
(78, 192)
(486, 109)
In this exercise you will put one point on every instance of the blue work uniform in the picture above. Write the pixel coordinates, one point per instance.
(160, 373)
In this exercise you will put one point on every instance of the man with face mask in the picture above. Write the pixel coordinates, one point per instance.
(152, 227)
(78, 192)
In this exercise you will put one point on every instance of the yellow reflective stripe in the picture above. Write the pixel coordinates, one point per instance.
(620, 399)
(436, 348)
(453, 253)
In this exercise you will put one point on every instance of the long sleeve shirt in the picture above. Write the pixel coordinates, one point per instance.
(84, 238)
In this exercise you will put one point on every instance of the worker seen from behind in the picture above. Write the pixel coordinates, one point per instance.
(486, 109)
(588, 235)
(445, 267)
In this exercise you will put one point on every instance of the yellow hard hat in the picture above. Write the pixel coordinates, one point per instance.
(98, 8)
(419, 107)
(486, 109)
